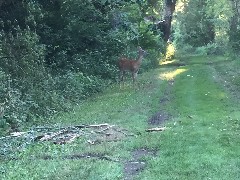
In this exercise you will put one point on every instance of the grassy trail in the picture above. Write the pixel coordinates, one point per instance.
(201, 140)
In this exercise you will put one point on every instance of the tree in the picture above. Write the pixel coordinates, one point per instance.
(194, 27)
(169, 10)
(234, 25)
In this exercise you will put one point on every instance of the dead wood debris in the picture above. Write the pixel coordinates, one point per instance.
(93, 134)
(156, 129)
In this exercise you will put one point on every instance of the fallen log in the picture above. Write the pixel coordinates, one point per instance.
(156, 129)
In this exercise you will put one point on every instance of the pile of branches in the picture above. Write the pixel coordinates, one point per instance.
(92, 134)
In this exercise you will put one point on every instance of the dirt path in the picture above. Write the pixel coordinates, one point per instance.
(162, 115)
(136, 164)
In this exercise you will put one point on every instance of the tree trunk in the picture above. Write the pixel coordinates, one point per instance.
(234, 23)
(169, 10)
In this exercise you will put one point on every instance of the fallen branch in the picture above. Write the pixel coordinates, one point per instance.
(14, 135)
(69, 139)
(189, 116)
(122, 131)
(102, 131)
(48, 137)
(74, 126)
(17, 134)
(156, 129)
(63, 135)
(99, 125)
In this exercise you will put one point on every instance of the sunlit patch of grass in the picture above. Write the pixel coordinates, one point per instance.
(170, 52)
(172, 74)
(167, 62)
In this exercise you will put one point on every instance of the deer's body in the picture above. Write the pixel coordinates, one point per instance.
(130, 65)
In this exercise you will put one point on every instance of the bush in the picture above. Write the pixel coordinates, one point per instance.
(14, 110)
(209, 49)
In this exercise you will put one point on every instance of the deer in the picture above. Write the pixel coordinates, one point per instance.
(126, 64)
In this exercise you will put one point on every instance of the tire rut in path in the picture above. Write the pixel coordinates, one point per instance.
(136, 164)
(161, 116)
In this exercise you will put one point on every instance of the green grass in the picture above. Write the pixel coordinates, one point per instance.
(201, 141)
(204, 146)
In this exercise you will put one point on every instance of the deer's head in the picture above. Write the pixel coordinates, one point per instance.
(141, 51)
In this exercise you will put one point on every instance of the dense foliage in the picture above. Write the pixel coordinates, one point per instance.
(207, 26)
(56, 53)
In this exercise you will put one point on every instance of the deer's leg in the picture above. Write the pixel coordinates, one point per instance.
(134, 76)
(121, 77)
